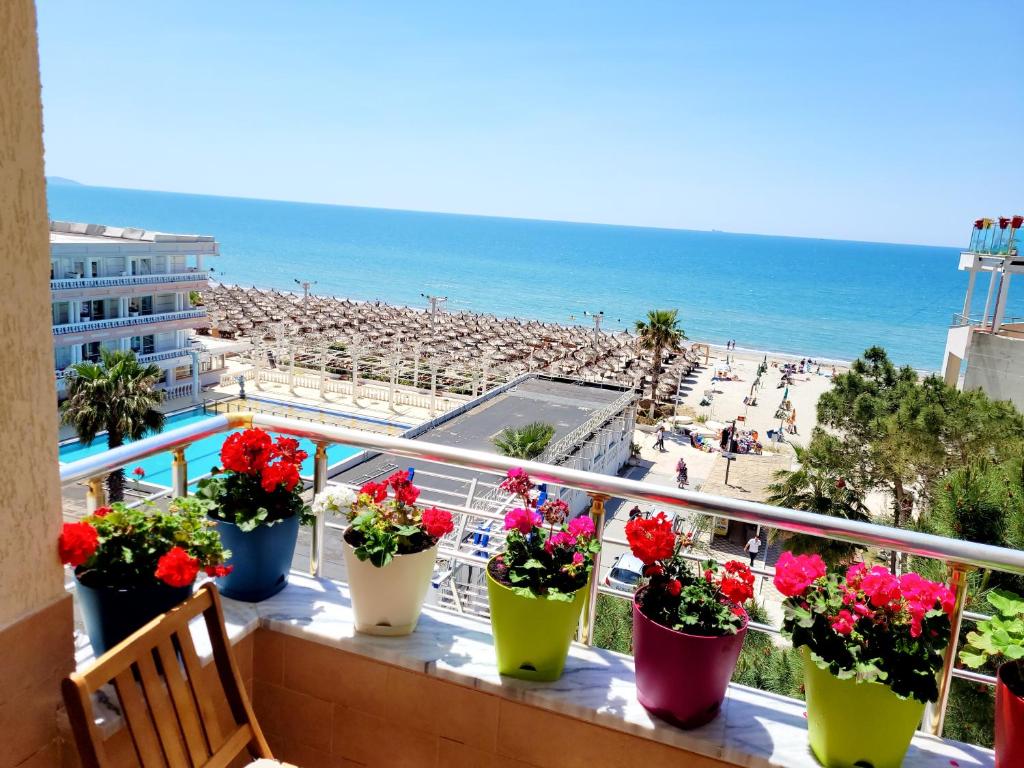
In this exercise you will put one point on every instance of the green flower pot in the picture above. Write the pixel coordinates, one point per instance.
(851, 724)
(532, 635)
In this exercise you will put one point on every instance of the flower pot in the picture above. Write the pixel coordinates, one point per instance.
(1009, 721)
(682, 678)
(853, 724)
(260, 559)
(532, 634)
(387, 601)
(111, 613)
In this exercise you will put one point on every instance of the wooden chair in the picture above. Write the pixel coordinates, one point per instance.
(169, 703)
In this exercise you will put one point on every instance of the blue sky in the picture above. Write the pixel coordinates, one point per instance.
(871, 121)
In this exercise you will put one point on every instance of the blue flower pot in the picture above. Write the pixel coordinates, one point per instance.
(111, 614)
(260, 558)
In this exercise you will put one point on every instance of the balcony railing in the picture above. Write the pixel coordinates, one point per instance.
(169, 354)
(72, 283)
(123, 322)
(960, 556)
(960, 320)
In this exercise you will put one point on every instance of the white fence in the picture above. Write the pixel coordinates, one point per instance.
(370, 390)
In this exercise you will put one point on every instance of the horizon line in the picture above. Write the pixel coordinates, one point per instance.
(581, 222)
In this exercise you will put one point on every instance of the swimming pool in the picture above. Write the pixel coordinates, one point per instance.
(202, 455)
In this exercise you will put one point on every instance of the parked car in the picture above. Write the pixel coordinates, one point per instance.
(625, 572)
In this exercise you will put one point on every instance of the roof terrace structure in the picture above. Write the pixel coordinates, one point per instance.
(990, 345)
(121, 288)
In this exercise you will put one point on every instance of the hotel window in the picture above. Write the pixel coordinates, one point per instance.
(141, 306)
(142, 266)
(91, 351)
(143, 345)
(60, 313)
(182, 372)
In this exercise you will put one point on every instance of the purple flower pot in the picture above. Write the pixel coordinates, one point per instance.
(682, 678)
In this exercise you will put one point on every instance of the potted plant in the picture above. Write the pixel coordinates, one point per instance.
(688, 624)
(389, 547)
(257, 504)
(537, 585)
(872, 645)
(1001, 639)
(132, 564)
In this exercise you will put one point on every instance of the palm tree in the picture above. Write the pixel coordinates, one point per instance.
(115, 395)
(816, 489)
(658, 334)
(526, 442)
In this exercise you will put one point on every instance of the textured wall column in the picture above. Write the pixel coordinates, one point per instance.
(36, 644)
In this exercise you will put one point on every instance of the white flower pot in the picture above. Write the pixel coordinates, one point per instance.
(387, 601)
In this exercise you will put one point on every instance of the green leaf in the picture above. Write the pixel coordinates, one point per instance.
(973, 660)
(523, 592)
(1006, 602)
(561, 597)
(532, 563)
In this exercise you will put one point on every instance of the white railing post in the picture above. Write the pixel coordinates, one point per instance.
(316, 551)
(179, 472)
(597, 502)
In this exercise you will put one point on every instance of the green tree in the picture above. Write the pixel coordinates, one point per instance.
(525, 442)
(115, 395)
(658, 334)
(815, 486)
(886, 430)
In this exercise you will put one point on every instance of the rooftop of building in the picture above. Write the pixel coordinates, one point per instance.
(563, 403)
(79, 232)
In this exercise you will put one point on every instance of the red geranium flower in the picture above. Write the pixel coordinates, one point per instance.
(517, 482)
(794, 574)
(280, 473)
(674, 587)
(139, 472)
(736, 590)
(77, 543)
(218, 570)
(376, 491)
(288, 449)
(177, 568)
(651, 539)
(102, 512)
(437, 522)
(405, 492)
(246, 452)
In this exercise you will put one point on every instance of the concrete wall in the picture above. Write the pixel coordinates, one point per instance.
(996, 366)
(321, 707)
(36, 644)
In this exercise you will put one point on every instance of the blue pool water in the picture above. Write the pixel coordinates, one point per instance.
(202, 455)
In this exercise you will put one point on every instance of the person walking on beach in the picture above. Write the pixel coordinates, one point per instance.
(752, 547)
(659, 438)
(681, 473)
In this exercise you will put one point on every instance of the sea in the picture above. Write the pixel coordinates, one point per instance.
(828, 299)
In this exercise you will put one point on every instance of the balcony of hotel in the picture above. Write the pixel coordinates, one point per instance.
(326, 695)
(75, 286)
(158, 322)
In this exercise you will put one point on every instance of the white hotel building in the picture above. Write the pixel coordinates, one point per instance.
(124, 288)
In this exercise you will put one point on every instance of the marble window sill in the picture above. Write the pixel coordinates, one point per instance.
(754, 730)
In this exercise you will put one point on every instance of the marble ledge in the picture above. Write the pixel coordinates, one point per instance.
(755, 730)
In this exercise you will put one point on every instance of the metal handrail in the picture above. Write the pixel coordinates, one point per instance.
(961, 556)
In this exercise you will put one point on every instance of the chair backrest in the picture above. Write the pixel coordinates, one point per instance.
(173, 708)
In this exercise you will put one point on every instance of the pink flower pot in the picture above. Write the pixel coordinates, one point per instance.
(1009, 722)
(682, 678)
